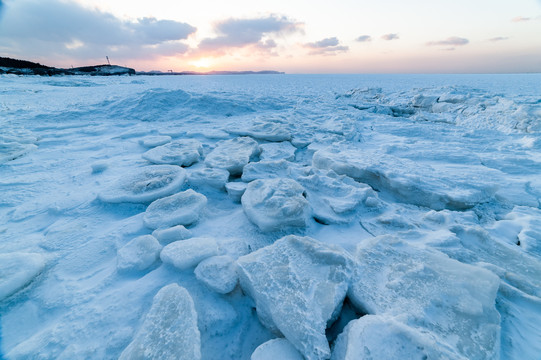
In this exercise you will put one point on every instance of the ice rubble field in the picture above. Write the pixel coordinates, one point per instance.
(270, 217)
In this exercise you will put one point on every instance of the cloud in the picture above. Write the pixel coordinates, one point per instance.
(57, 29)
(328, 46)
(390, 37)
(520, 19)
(239, 33)
(364, 38)
(498, 38)
(451, 41)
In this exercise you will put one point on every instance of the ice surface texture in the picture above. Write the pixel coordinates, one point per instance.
(179, 209)
(275, 204)
(169, 330)
(17, 270)
(276, 349)
(233, 154)
(183, 152)
(145, 184)
(298, 285)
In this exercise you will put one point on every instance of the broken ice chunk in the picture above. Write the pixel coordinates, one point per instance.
(182, 152)
(218, 273)
(138, 254)
(233, 154)
(169, 330)
(179, 209)
(276, 349)
(185, 254)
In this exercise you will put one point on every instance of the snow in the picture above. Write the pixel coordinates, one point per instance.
(232, 155)
(183, 152)
(182, 208)
(218, 273)
(419, 195)
(275, 204)
(145, 184)
(298, 285)
(276, 349)
(169, 330)
(188, 253)
(138, 254)
(17, 270)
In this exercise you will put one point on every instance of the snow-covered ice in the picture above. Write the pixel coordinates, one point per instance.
(302, 216)
(275, 204)
(169, 330)
(183, 152)
(182, 208)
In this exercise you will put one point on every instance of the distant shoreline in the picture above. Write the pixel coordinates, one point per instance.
(23, 67)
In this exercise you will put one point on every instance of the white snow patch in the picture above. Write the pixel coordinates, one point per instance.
(183, 208)
(17, 270)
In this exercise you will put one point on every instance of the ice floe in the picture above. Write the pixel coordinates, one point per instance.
(232, 155)
(153, 141)
(235, 190)
(182, 152)
(169, 330)
(183, 208)
(276, 349)
(145, 184)
(275, 204)
(218, 273)
(277, 151)
(208, 178)
(298, 285)
(138, 254)
(188, 253)
(269, 130)
(175, 233)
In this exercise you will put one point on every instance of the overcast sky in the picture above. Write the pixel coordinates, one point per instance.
(387, 36)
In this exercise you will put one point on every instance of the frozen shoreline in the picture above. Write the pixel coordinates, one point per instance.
(424, 170)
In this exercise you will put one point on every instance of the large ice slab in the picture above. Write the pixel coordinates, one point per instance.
(145, 185)
(233, 154)
(188, 253)
(264, 130)
(17, 270)
(278, 151)
(179, 209)
(182, 152)
(298, 285)
(275, 204)
(169, 330)
(382, 338)
(267, 169)
(430, 292)
(208, 178)
(456, 188)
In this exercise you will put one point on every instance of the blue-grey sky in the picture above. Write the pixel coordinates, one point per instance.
(348, 36)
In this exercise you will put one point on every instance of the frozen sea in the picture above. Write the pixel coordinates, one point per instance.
(270, 217)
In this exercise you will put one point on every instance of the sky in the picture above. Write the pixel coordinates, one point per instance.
(294, 36)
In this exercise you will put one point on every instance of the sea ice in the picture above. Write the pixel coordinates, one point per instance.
(218, 273)
(276, 349)
(145, 184)
(379, 337)
(208, 177)
(175, 233)
(138, 254)
(188, 253)
(169, 330)
(411, 182)
(334, 198)
(183, 208)
(277, 151)
(233, 154)
(154, 140)
(182, 152)
(275, 204)
(267, 169)
(430, 292)
(264, 130)
(17, 270)
(298, 285)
